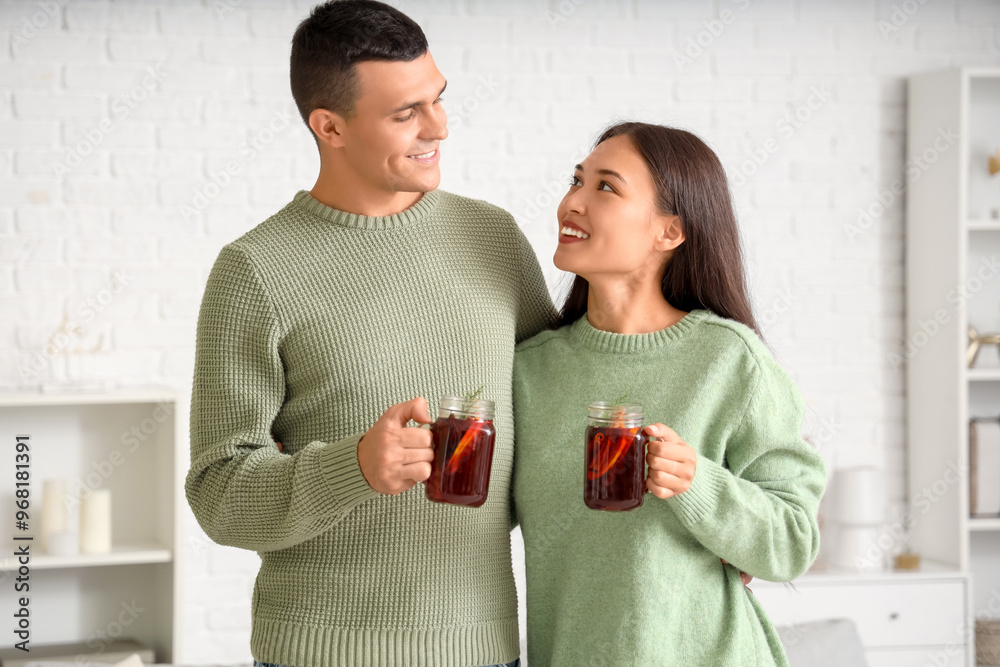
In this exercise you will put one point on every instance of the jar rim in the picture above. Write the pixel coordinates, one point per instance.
(467, 407)
(609, 411)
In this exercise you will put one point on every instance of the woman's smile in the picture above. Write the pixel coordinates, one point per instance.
(572, 233)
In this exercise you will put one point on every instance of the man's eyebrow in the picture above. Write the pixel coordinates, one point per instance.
(605, 172)
(411, 105)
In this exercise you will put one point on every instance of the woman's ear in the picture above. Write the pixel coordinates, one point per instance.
(328, 126)
(670, 232)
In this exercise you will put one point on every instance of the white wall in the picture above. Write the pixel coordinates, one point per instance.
(115, 116)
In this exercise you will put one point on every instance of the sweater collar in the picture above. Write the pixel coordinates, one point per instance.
(607, 341)
(415, 213)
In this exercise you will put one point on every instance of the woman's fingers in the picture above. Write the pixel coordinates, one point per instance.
(672, 462)
(662, 431)
(659, 491)
(666, 481)
(674, 451)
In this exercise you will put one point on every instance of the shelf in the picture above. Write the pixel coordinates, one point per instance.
(821, 574)
(983, 374)
(116, 397)
(983, 225)
(984, 524)
(121, 554)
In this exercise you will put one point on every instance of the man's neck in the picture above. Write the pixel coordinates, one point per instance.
(365, 203)
(361, 200)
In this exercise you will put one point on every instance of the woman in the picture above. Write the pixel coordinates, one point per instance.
(659, 311)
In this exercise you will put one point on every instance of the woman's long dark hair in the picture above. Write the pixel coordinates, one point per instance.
(706, 270)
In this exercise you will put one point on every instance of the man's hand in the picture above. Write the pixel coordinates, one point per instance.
(394, 456)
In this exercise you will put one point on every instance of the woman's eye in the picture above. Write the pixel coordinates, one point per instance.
(574, 181)
(605, 183)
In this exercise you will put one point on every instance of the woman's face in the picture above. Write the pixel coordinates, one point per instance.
(609, 223)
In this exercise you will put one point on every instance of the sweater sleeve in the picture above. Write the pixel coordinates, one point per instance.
(535, 310)
(759, 512)
(243, 491)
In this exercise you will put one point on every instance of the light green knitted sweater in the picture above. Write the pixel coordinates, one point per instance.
(312, 324)
(646, 587)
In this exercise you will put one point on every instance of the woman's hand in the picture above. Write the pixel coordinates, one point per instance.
(671, 462)
(744, 577)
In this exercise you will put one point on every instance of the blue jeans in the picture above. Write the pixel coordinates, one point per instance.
(256, 663)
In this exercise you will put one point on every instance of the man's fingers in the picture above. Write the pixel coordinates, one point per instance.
(416, 455)
(416, 438)
(415, 409)
(418, 472)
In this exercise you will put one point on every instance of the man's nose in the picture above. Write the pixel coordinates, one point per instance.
(436, 127)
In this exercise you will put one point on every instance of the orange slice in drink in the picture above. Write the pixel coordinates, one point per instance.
(463, 449)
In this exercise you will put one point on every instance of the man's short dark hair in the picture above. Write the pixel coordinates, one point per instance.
(338, 34)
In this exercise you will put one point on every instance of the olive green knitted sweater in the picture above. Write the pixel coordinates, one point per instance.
(311, 325)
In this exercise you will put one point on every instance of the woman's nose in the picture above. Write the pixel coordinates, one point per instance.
(574, 202)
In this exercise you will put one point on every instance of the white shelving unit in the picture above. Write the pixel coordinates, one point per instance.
(903, 619)
(124, 441)
(953, 280)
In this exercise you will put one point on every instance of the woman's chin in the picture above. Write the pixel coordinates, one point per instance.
(562, 264)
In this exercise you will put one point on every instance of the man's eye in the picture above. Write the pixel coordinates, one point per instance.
(406, 118)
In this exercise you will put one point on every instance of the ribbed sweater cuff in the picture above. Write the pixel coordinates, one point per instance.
(702, 497)
(339, 465)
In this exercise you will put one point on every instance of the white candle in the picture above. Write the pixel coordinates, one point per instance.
(95, 522)
(857, 549)
(53, 508)
(861, 496)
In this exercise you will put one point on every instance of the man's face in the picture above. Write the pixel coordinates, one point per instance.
(392, 139)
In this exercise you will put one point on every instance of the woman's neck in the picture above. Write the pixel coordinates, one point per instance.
(626, 307)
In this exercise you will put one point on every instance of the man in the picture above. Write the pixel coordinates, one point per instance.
(326, 328)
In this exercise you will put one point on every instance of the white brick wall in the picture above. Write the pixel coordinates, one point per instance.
(530, 85)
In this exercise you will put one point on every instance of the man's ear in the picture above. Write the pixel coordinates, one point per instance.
(670, 233)
(329, 127)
